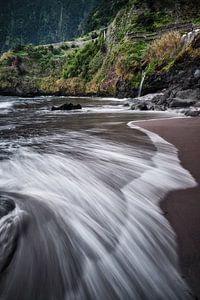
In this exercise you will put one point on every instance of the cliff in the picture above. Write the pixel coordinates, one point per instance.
(140, 36)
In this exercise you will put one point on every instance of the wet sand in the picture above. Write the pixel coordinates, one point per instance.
(182, 208)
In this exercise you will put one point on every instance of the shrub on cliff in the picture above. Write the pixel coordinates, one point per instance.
(80, 62)
(164, 48)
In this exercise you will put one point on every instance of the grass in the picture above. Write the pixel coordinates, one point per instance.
(164, 48)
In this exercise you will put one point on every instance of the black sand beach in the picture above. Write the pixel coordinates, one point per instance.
(182, 208)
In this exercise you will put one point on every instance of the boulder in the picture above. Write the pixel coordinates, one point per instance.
(197, 104)
(140, 106)
(66, 106)
(193, 113)
(180, 103)
(192, 94)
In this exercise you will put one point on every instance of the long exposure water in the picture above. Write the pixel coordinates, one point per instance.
(83, 188)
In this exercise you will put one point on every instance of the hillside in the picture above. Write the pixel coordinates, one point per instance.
(141, 36)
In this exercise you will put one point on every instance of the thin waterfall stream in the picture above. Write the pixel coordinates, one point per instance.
(142, 82)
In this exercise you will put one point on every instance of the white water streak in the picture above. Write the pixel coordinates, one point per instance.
(106, 199)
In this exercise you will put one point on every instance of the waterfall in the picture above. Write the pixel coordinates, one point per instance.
(60, 23)
(142, 82)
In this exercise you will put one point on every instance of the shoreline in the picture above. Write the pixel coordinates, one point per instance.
(182, 207)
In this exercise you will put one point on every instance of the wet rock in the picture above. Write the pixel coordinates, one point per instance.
(180, 103)
(161, 99)
(157, 99)
(21, 90)
(192, 94)
(6, 206)
(197, 104)
(193, 113)
(196, 42)
(66, 106)
(140, 106)
(181, 81)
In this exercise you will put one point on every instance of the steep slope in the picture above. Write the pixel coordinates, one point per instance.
(142, 35)
(102, 15)
(41, 22)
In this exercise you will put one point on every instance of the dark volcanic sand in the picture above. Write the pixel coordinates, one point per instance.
(182, 208)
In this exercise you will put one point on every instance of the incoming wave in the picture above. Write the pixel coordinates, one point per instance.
(5, 106)
(87, 224)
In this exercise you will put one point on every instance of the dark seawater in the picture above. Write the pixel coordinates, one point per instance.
(86, 187)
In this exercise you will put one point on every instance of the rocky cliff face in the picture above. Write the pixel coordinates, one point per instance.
(111, 62)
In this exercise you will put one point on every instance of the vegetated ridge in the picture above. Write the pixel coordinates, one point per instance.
(109, 60)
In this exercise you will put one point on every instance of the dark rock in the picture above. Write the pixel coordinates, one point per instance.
(66, 106)
(196, 42)
(193, 113)
(197, 104)
(125, 90)
(157, 99)
(161, 99)
(180, 103)
(140, 106)
(6, 206)
(22, 90)
(183, 75)
(193, 94)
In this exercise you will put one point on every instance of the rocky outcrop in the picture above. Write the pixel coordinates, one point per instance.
(163, 101)
(180, 84)
(193, 113)
(24, 89)
(180, 103)
(182, 80)
(66, 106)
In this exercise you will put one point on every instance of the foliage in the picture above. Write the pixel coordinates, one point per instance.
(102, 64)
(151, 20)
(130, 55)
(41, 22)
(103, 14)
(165, 47)
(196, 20)
(84, 62)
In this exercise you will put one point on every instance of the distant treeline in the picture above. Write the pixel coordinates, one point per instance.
(41, 22)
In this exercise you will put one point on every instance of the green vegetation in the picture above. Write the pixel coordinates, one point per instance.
(196, 20)
(101, 62)
(85, 61)
(103, 14)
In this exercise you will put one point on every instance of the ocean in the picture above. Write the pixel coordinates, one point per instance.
(86, 186)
